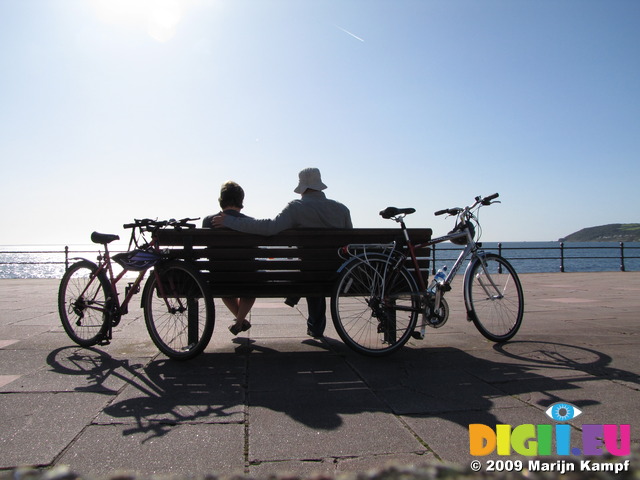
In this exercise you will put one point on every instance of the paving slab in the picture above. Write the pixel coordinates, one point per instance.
(274, 401)
(183, 449)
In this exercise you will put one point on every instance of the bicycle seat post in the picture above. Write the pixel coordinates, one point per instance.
(403, 227)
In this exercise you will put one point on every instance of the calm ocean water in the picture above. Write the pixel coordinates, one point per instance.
(47, 261)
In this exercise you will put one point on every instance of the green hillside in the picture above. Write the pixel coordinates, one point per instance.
(615, 232)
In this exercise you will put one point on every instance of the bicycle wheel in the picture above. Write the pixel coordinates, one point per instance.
(374, 306)
(84, 303)
(494, 297)
(178, 310)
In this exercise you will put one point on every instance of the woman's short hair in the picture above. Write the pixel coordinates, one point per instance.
(231, 195)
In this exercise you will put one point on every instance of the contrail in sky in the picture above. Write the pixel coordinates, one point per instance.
(349, 33)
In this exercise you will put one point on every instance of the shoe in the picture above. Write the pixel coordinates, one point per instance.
(314, 335)
(291, 301)
(236, 329)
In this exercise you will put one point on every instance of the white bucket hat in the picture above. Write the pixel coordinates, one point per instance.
(309, 178)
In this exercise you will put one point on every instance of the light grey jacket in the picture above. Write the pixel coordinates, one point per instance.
(313, 210)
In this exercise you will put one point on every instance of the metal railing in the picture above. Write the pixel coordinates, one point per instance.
(66, 257)
(561, 254)
(624, 253)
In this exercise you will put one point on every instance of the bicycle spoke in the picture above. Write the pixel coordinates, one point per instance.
(178, 310)
(496, 297)
(374, 308)
(84, 303)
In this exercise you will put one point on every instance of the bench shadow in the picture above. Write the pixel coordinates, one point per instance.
(319, 388)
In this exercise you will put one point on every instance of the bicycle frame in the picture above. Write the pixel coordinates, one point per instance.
(469, 248)
(105, 266)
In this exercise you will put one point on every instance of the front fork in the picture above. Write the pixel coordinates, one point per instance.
(484, 279)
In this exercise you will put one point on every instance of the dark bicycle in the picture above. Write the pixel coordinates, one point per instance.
(178, 308)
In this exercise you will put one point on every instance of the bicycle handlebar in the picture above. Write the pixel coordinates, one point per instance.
(450, 211)
(488, 200)
(150, 223)
(479, 200)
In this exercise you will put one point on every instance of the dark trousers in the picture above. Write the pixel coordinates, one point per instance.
(317, 307)
(317, 320)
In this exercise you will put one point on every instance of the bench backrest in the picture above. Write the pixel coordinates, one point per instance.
(292, 263)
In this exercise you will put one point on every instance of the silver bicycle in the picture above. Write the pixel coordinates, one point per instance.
(377, 300)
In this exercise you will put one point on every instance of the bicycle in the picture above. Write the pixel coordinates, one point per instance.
(178, 308)
(377, 299)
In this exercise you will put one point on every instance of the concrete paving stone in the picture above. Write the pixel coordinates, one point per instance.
(274, 400)
(335, 466)
(448, 337)
(545, 351)
(378, 462)
(273, 346)
(289, 372)
(293, 468)
(21, 362)
(34, 316)
(164, 392)
(444, 392)
(37, 427)
(278, 331)
(600, 401)
(496, 368)
(323, 423)
(168, 449)
(75, 369)
(386, 372)
(447, 434)
(130, 347)
(20, 332)
(45, 341)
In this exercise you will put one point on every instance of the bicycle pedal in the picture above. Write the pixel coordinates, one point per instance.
(417, 335)
(104, 342)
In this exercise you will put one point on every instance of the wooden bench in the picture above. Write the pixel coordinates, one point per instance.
(292, 263)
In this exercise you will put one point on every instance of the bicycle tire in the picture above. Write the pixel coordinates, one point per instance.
(179, 315)
(84, 303)
(496, 316)
(364, 321)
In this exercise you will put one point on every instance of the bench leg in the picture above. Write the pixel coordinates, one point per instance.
(192, 319)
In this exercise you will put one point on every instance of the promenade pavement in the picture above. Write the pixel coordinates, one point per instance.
(274, 400)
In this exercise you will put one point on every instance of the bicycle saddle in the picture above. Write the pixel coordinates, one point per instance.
(390, 212)
(103, 237)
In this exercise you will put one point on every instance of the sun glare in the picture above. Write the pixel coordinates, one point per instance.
(159, 18)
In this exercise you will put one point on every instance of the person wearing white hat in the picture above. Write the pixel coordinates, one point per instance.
(312, 210)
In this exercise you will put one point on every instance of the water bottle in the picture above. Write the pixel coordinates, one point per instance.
(438, 278)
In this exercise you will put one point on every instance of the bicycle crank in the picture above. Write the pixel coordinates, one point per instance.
(437, 318)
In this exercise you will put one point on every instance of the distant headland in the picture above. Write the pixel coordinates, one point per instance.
(615, 232)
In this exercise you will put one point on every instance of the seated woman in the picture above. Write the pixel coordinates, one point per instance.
(231, 198)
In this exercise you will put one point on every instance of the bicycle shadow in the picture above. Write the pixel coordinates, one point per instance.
(320, 388)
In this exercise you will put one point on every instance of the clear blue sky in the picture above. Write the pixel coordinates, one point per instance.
(115, 109)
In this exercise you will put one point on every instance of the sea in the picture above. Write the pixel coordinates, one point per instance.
(48, 261)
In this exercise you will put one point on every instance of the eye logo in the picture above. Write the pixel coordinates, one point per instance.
(563, 412)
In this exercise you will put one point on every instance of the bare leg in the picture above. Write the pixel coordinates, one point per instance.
(244, 307)
(240, 308)
(232, 305)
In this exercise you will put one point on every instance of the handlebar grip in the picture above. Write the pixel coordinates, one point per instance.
(487, 200)
(491, 197)
(449, 211)
(129, 225)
